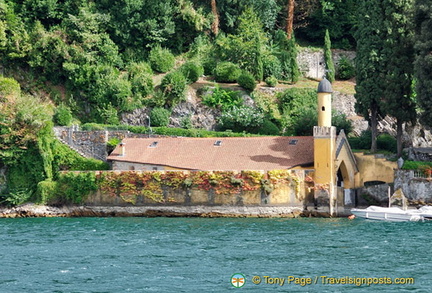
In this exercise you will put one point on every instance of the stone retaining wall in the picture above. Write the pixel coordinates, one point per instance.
(416, 187)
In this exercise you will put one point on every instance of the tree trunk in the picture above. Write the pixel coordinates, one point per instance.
(290, 19)
(215, 24)
(399, 130)
(374, 126)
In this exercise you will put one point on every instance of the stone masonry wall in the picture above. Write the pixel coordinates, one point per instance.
(92, 144)
(415, 186)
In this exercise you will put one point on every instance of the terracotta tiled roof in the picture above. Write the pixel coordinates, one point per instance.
(234, 153)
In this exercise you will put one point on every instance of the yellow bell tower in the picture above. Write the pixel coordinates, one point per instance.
(324, 150)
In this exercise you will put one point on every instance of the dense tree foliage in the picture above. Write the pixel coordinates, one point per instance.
(385, 63)
(399, 56)
(328, 58)
(369, 63)
(423, 62)
(97, 60)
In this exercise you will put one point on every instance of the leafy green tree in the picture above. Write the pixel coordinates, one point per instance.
(230, 10)
(26, 138)
(173, 86)
(247, 81)
(339, 17)
(287, 54)
(192, 71)
(140, 77)
(293, 103)
(423, 60)
(15, 42)
(139, 24)
(50, 50)
(63, 115)
(159, 117)
(247, 46)
(399, 57)
(304, 123)
(161, 59)
(242, 118)
(369, 63)
(328, 59)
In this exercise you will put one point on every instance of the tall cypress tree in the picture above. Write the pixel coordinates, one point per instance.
(423, 62)
(398, 58)
(369, 63)
(330, 74)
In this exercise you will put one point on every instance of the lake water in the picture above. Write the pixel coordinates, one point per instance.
(202, 255)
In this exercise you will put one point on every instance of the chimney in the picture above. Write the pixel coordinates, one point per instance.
(122, 149)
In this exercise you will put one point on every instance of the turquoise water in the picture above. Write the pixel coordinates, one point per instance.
(201, 255)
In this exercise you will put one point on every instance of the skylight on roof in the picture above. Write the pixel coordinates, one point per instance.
(153, 144)
(293, 141)
(218, 143)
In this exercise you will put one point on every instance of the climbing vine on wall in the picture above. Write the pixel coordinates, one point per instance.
(285, 177)
(130, 185)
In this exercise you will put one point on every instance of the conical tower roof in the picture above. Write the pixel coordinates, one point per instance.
(325, 86)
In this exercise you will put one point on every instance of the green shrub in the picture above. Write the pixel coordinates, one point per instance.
(173, 86)
(138, 68)
(63, 115)
(345, 69)
(340, 121)
(161, 59)
(16, 197)
(304, 123)
(271, 81)
(416, 165)
(226, 72)
(67, 159)
(268, 128)
(159, 117)
(9, 86)
(294, 102)
(46, 191)
(142, 85)
(272, 67)
(387, 142)
(112, 143)
(92, 127)
(222, 99)
(75, 187)
(186, 122)
(247, 81)
(363, 142)
(209, 65)
(162, 131)
(192, 71)
(241, 118)
(109, 115)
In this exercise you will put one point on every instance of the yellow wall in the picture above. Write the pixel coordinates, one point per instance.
(374, 169)
(324, 154)
(324, 109)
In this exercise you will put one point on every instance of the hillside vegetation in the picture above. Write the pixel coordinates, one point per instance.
(81, 62)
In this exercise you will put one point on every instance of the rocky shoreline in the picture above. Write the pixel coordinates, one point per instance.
(35, 211)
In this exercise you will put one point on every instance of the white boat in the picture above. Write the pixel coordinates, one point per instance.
(395, 214)
(392, 214)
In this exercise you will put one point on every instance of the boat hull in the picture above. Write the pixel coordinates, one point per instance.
(389, 214)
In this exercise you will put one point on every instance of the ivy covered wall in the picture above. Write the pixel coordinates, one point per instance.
(118, 188)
